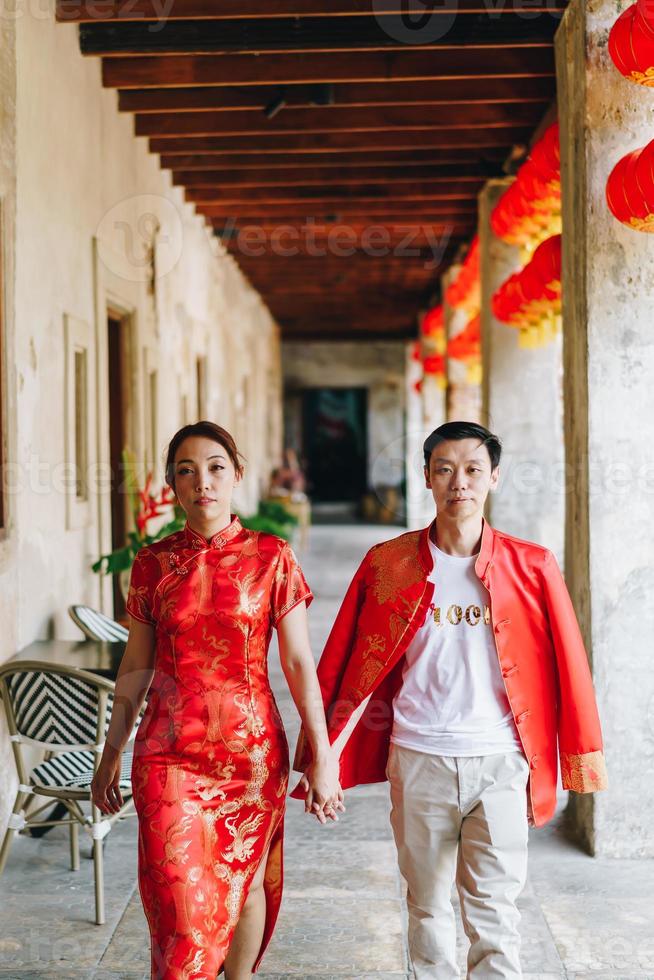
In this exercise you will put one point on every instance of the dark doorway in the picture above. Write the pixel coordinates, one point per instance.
(117, 442)
(336, 443)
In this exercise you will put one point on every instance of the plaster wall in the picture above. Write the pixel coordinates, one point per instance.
(8, 537)
(91, 223)
(608, 283)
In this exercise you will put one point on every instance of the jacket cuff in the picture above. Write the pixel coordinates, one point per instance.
(584, 773)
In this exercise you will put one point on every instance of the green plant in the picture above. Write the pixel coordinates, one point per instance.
(272, 518)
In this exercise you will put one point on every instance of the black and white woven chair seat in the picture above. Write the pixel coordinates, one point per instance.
(75, 770)
(96, 626)
(54, 708)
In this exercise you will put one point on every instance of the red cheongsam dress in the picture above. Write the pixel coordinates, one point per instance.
(210, 767)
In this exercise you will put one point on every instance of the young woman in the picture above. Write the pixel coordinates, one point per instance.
(210, 767)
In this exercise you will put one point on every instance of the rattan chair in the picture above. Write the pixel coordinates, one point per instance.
(96, 626)
(65, 713)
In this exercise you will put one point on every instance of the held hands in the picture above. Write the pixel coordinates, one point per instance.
(105, 791)
(324, 796)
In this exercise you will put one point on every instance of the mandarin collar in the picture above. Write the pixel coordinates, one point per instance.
(483, 558)
(219, 540)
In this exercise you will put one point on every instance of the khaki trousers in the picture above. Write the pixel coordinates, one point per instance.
(462, 819)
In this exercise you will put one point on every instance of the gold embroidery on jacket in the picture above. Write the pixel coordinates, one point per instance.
(396, 567)
(369, 673)
(374, 643)
(584, 773)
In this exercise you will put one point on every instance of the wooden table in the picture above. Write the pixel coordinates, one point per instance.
(96, 656)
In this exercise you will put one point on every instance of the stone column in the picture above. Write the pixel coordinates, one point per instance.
(608, 285)
(521, 402)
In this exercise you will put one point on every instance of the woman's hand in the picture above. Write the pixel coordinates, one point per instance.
(324, 796)
(105, 791)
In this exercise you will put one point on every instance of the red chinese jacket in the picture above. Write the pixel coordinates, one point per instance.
(539, 647)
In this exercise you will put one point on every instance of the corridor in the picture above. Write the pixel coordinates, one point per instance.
(342, 916)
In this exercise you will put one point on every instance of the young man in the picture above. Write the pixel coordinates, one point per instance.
(464, 642)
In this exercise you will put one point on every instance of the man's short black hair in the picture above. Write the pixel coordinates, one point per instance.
(464, 430)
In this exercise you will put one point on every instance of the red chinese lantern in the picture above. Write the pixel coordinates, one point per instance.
(630, 189)
(465, 290)
(530, 210)
(532, 296)
(433, 321)
(466, 345)
(631, 44)
(434, 364)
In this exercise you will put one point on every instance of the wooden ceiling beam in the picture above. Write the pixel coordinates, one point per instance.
(403, 246)
(343, 326)
(324, 196)
(465, 91)
(445, 139)
(376, 120)
(325, 177)
(333, 331)
(348, 289)
(345, 267)
(447, 61)
(98, 11)
(377, 211)
(328, 35)
(486, 161)
(385, 312)
(266, 240)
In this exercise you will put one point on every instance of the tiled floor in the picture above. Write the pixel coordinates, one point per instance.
(343, 914)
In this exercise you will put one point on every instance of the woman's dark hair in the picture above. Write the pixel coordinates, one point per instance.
(208, 430)
(464, 430)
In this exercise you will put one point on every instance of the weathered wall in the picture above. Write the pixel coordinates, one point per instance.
(8, 538)
(608, 284)
(89, 196)
(522, 403)
(379, 367)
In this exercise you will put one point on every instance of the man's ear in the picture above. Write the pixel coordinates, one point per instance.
(427, 480)
(495, 476)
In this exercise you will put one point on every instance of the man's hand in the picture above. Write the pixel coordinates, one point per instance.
(323, 794)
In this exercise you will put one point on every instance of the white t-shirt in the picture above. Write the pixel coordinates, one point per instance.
(453, 700)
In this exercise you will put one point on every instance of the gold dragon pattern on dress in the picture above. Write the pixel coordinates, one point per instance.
(210, 769)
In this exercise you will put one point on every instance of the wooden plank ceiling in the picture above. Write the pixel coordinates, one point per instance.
(337, 146)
